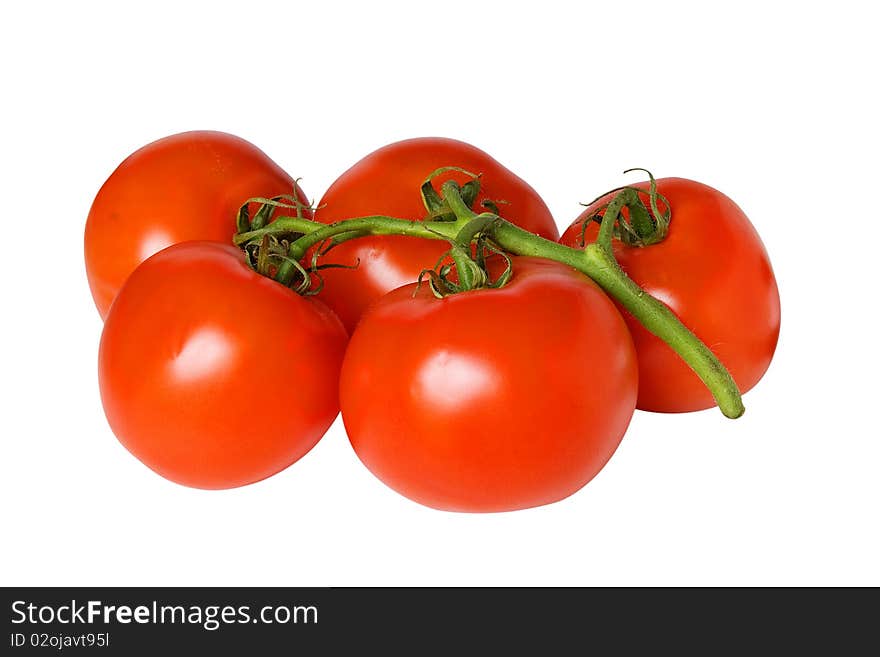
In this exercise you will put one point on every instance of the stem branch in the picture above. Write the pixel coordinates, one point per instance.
(596, 261)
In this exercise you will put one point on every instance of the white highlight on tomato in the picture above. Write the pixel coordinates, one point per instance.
(205, 353)
(451, 379)
(154, 242)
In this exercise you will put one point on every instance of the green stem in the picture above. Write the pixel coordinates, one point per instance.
(596, 261)
(282, 225)
(452, 195)
(372, 225)
(609, 218)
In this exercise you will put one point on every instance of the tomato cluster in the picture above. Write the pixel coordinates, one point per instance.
(500, 397)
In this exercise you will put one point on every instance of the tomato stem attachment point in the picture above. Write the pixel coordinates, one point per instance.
(637, 226)
(436, 205)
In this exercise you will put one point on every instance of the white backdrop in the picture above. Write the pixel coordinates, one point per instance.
(773, 103)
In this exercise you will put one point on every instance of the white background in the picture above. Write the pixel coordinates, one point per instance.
(773, 103)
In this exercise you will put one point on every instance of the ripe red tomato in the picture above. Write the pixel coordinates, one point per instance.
(185, 187)
(492, 399)
(388, 182)
(713, 271)
(213, 375)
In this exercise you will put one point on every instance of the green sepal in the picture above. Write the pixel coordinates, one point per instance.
(640, 219)
(243, 220)
(263, 214)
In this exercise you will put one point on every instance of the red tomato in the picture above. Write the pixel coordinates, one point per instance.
(493, 399)
(184, 187)
(213, 375)
(388, 182)
(713, 272)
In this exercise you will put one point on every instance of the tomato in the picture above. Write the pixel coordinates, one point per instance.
(388, 182)
(185, 187)
(713, 272)
(213, 375)
(491, 399)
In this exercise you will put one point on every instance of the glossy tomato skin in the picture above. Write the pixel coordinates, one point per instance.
(388, 182)
(213, 375)
(713, 271)
(490, 400)
(188, 186)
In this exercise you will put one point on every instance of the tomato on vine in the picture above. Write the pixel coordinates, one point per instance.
(490, 399)
(388, 182)
(212, 374)
(711, 269)
(188, 186)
